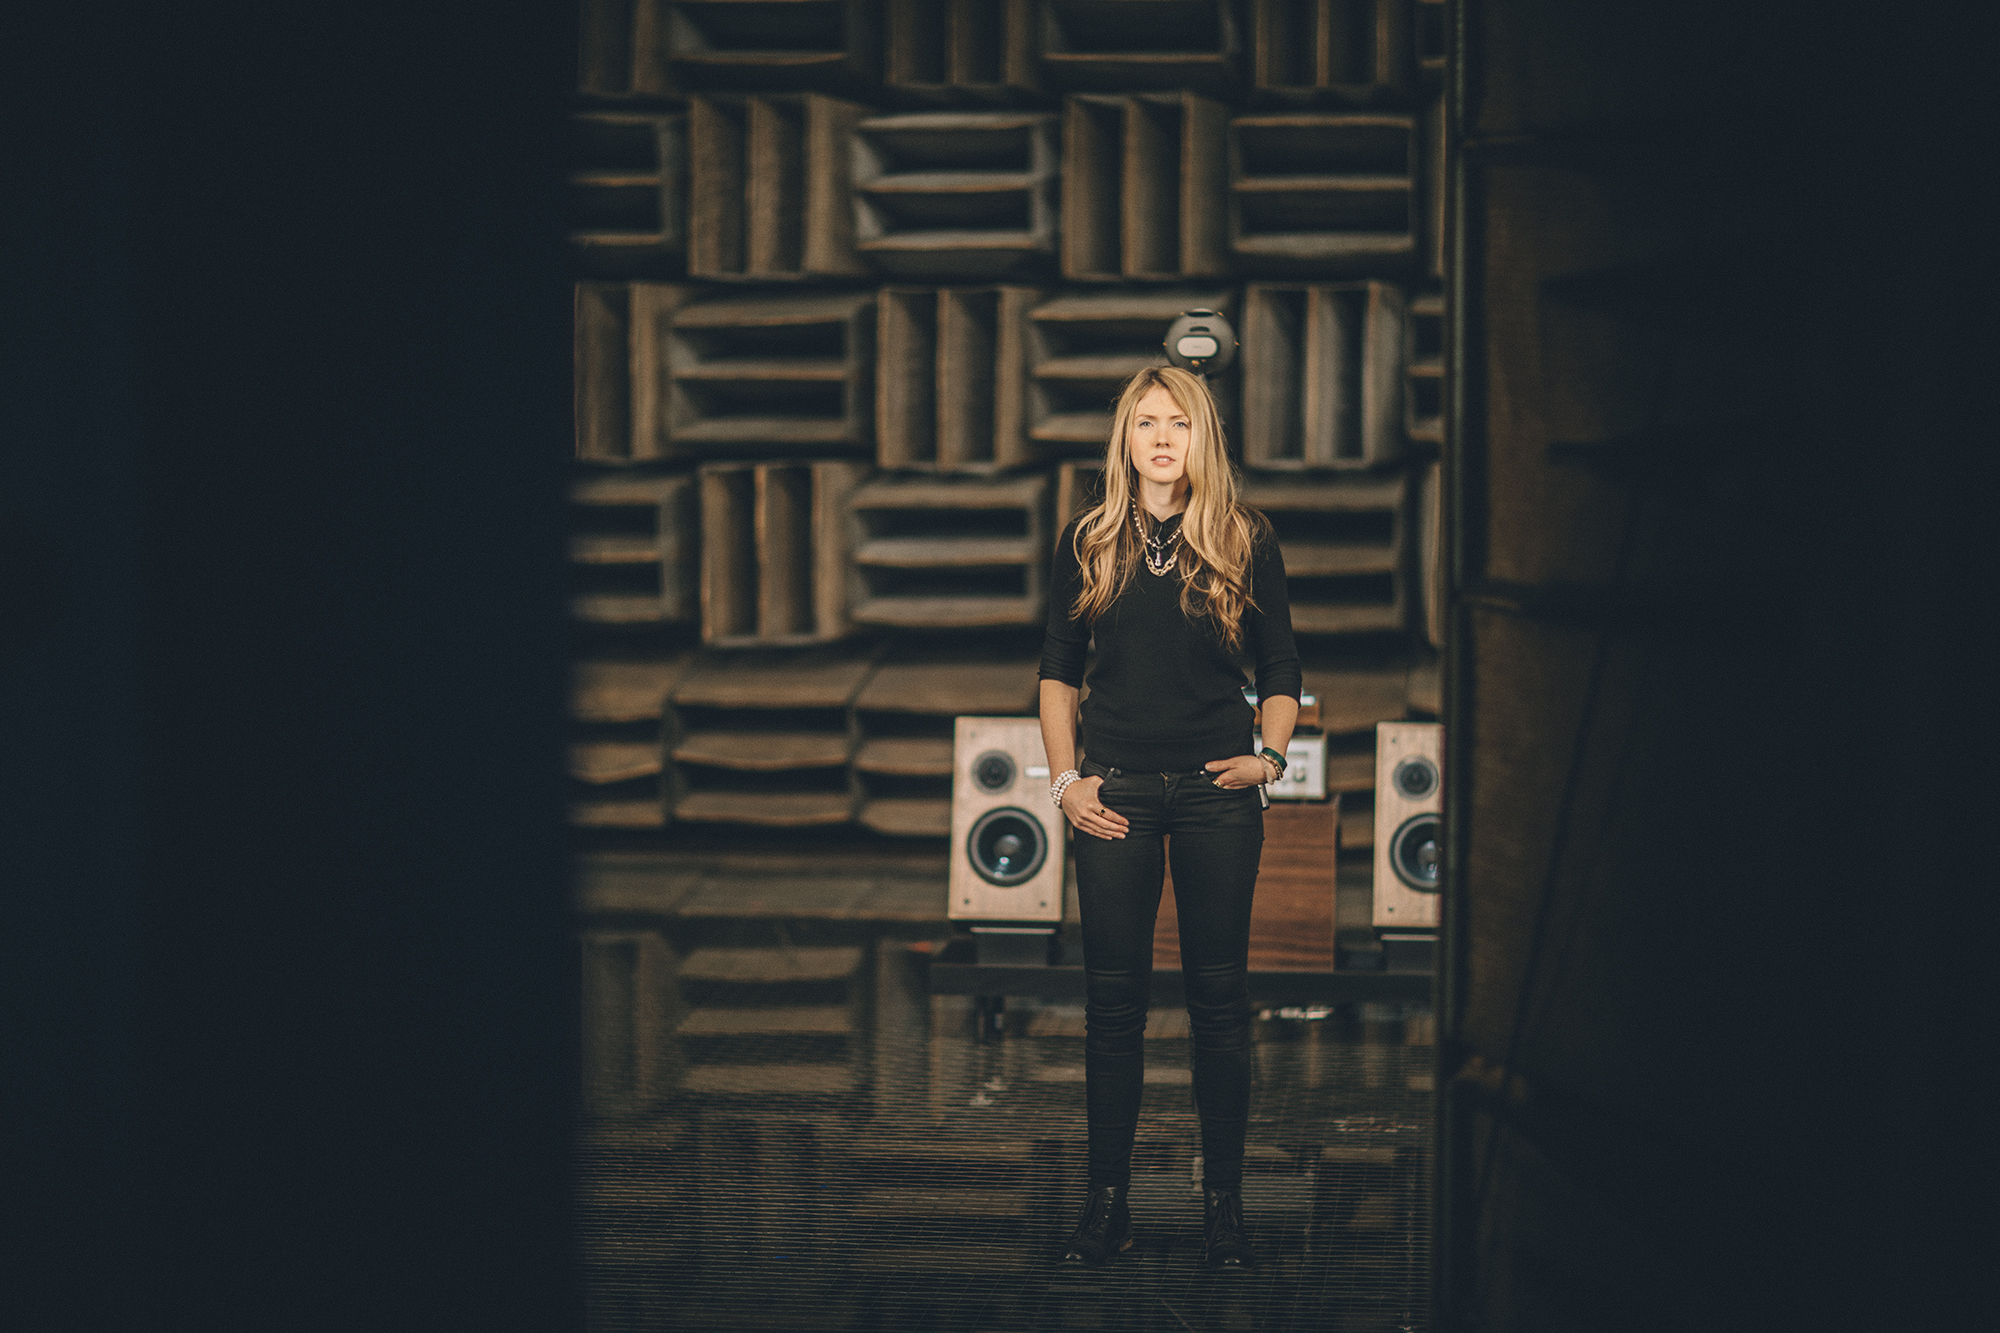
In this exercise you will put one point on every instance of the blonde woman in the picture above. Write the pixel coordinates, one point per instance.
(1180, 584)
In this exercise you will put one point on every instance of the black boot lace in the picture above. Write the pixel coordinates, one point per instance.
(1096, 1222)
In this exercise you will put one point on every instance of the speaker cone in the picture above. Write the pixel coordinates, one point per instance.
(1415, 778)
(1413, 852)
(993, 771)
(1006, 847)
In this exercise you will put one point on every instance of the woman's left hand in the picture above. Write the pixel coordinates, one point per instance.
(1245, 770)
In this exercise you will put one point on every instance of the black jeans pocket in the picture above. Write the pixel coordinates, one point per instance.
(1205, 807)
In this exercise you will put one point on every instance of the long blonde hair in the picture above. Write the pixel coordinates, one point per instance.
(1217, 531)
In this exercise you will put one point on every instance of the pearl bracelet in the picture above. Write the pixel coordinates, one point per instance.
(1061, 785)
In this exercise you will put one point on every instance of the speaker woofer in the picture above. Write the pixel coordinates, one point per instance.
(1415, 778)
(1007, 847)
(993, 771)
(1413, 852)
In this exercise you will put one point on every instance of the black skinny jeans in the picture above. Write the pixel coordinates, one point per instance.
(1217, 838)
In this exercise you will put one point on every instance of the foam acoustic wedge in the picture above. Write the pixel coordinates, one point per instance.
(1006, 836)
(1409, 805)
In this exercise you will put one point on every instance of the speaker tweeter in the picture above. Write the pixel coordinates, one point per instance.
(993, 771)
(1415, 778)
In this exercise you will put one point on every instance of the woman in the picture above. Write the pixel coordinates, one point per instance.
(1179, 582)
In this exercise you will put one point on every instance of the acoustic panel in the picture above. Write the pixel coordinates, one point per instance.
(1344, 547)
(1324, 193)
(945, 50)
(766, 739)
(622, 387)
(769, 187)
(628, 192)
(955, 194)
(620, 55)
(628, 1003)
(1083, 346)
(1147, 44)
(632, 549)
(761, 374)
(904, 716)
(831, 45)
(960, 553)
(1423, 368)
(1323, 383)
(1143, 187)
(951, 378)
(1355, 52)
(774, 552)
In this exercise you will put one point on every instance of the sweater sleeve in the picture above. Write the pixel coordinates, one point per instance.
(1067, 639)
(1270, 626)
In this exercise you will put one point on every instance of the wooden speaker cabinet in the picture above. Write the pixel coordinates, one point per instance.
(1006, 835)
(1409, 802)
(1291, 918)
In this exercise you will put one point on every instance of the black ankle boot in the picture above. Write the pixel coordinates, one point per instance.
(1225, 1244)
(1104, 1229)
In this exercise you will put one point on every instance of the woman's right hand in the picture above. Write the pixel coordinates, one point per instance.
(1083, 809)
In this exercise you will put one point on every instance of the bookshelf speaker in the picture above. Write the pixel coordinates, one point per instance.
(1006, 836)
(1409, 802)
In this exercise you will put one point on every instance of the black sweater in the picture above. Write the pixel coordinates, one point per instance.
(1165, 696)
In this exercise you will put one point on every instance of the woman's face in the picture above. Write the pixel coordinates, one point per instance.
(1159, 438)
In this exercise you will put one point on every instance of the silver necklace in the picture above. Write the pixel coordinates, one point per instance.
(1159, 554)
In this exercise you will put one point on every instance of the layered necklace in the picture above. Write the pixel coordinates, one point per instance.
(1159, 552)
